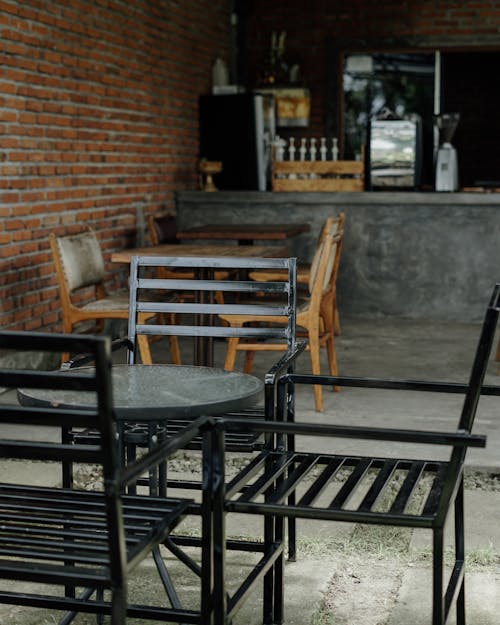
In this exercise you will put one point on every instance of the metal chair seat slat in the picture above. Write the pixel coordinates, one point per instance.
(55, 553)
(268, 478)
(241, 491)
(53, 574)
(64, 548)
(347, 490)
(379, 484)
(432, 502)
(408, 486)
(238, 483)
(292, 479)
(330, 470)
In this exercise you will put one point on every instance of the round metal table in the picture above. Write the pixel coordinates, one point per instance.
(156, 392)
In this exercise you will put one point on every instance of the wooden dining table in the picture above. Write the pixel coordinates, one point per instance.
(208, 250)
(244, 234)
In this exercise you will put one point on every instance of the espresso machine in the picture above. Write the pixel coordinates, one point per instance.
(446, 157)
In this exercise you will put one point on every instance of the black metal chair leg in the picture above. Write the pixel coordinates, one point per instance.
(437, 576)
(99, 618)
(460, 550)
(279, 575)
(292, 536)
(268, 600)
(214, 597)
(166, 580)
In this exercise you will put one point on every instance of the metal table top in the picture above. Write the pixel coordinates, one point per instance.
(152, 392)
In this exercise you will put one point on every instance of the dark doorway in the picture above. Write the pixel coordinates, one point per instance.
(470, 86)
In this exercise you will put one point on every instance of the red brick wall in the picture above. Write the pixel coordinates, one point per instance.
(98, 116)
(359, 24)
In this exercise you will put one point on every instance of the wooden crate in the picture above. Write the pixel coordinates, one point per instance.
(327, 175)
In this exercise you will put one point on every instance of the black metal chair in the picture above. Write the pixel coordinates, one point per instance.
(414, 491)
(200, 314)
(194, 306)
(80, 542)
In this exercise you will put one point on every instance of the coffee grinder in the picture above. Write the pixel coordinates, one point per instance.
(446, 157)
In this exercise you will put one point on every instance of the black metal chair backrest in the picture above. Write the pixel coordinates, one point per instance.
(150, 293)
(94, 380)
(95, 385)
(480, 362)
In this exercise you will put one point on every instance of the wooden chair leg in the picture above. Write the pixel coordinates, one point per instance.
(249, 358)
(231, 351)
(67, 328)
(316, 368)
(173, 343)
(336, 318)
(332, 359)
(330, 348)
(175, 352)
(144, 349)
(497, 355)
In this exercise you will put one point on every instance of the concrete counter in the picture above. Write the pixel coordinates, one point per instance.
(413, 255)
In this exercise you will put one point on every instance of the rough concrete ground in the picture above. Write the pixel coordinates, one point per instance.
(345, 575)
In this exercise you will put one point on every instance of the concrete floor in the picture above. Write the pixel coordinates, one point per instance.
(323, 576)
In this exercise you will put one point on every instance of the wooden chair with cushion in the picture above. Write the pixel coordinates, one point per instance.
(319, 333)
(80, 266)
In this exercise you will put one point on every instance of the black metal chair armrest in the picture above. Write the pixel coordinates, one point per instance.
(431, 437)
(84, 359)
(385, 383)
(284, 362)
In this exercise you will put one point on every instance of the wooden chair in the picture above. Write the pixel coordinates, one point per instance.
(162, 228)
(415, 490)
(79, 266)
(329, 309)
(319, 334)
(74, 544)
